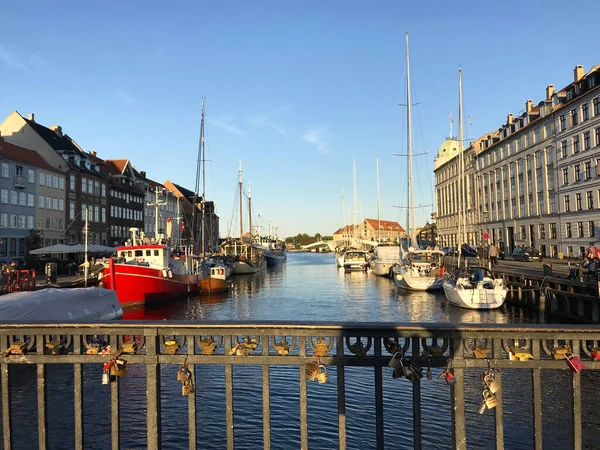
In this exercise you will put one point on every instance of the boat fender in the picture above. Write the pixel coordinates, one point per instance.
(164, 272)
(170, 273)
(100, 276)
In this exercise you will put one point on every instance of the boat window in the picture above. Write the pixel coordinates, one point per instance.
(129, 253)
(155, 252)
(148, 252)
(123, 254)
(139, 253)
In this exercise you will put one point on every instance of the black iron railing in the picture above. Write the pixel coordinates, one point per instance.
(426, 350)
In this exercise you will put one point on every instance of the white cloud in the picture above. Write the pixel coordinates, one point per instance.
(224, 123)
(125, 96)
(318, 137)
(12, 60)
(267, 120)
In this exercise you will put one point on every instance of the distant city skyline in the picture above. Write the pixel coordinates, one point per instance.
(297, 91)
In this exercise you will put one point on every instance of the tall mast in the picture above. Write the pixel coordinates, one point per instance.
(202, 238)
(197, 186)
(354, 211)
(378, 218)
(410, 219)
(241, 201)
(460, 209)
(249, 210)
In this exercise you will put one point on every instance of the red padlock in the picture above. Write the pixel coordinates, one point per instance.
(574, 363)
(595, 352)
(450, 379)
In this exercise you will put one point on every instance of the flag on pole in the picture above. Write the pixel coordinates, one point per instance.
(451, 118)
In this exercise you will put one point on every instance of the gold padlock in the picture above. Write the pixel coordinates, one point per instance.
(234, 349)
(129, 347)
(436, 352)
(17, 348)
(481, 352)
(358, 348)
(183, 373)
(312, 370)
(250, 343)
(187, 388)
(519, 353)
(171, 349)
(92, 350)
(322, 375)
(321, 347)
(207, 346)
(282, 348)
(560, 352)
(119, 368)
(489, 401)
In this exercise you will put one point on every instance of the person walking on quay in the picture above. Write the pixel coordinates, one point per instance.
(493, 253)
(592, 251)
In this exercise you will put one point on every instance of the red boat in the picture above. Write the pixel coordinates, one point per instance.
(142, 273)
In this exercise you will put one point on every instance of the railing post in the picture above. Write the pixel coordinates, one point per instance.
(379, 429)
(152, 388)
(78, 395)
(303, 399)
(457, 392)
(6, 416)
(537, 397)
(498, 410)
(266, 394)
(416, 391)
(341, 391)
(41, 395)
(577, 436)
(192, 434)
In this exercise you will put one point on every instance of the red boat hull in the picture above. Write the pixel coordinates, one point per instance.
(138, 284)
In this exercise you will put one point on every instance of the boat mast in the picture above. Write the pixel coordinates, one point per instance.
(202, 238)
(354, 211)
(250, 211)
(197, 186)
(460, 209)
(410, 219)
(241, 201)
(378, 217)
(86, 267)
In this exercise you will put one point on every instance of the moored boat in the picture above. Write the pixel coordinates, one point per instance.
(421, 271)
(144, 272)
(246, 257)
(384, 258)
(475, 288)
(355, 260)
(216, 278)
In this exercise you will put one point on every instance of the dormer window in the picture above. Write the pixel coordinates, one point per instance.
(97, 168)
(87, 164)
(569, 95)
(77, 160)
(591, 82)
(65, 156)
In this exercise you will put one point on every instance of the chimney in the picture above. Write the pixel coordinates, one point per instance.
(57, 129)
(31, 117)
(143, 174)
(510, 119)
(578, 73)
(528, 105)
(93, 152)
(549, 91)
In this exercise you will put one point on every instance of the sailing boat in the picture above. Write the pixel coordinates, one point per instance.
(273, 247)
(247, 258)
(421, 270)
(471, 287)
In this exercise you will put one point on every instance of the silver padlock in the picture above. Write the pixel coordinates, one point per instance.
(395, 362)
(106, 376)
(492, 384)
(322, 376)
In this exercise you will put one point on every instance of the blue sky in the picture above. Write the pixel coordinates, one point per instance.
(296, 90)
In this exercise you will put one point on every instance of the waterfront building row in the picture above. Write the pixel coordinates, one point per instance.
(533, 182)
(371, 230)
(47, 181)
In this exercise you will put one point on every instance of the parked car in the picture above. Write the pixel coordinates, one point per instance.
(525, 254)
(467, 250)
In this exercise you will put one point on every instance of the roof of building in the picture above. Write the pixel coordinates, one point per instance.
(346, 229)
(53, 139)
(386, 225)
(19, 154)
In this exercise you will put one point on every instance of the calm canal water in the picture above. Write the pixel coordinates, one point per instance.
(308, 287)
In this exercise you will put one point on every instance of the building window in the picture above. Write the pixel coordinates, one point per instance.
(523, 233)
(22, 199)
(30, 222)
(575, 144)
(61, 204)
(103, 215)
(61, 183)
(42, 179)
(4, 196)
(96, 188)
(90, 187)
(71, 210)
(14, 198)
(569, 233)
(22, 221)
(103, 190)
(588, 170)
(578, 202)
(562, 125)
(553, 231)
(30, 176)
(580, 229)
(597, 131)
(591, 229)
(574, 117)
(55, 181)
(587, 142)
(31, 200)
(590, 200)
(563, 148)
(565, 175)
(585, 111)
(3, 224)
(83, 185)
(72, 182)
(96, 214)
(542, 231)
(577, 173)
(567, 204)
(41, 201)
(596, 106)
(4, 170)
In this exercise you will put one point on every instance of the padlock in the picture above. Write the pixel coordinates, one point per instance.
(119, 368)
(491, 383)
(129, 347)
(448, 376)
(16, 348)
(250, 343)
(207, 346)
(395, 362)
(519, 353)
(398, 373)
(595, 353)
(106, 376)
(322, 375)
(561, 351)
(312, 370)
(429, 372)
(92, 350)
(436, 352)
(282, 348)
(171, 347)
(234, 349)
(489, 401)
(481, 352)
(183, 373)
(358, 348)
(321, 347)
(187, 388)
(574, 363)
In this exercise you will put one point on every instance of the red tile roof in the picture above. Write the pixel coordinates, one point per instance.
(19, 154)
(345, 230)
(386, 225)
(116, 166)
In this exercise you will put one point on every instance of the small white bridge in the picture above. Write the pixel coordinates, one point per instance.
(340, 243)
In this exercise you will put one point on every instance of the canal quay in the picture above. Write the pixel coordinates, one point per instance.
(264, 398)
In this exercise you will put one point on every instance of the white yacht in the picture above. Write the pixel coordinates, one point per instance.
(422, 270)
(384, 258)
(475, 288)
